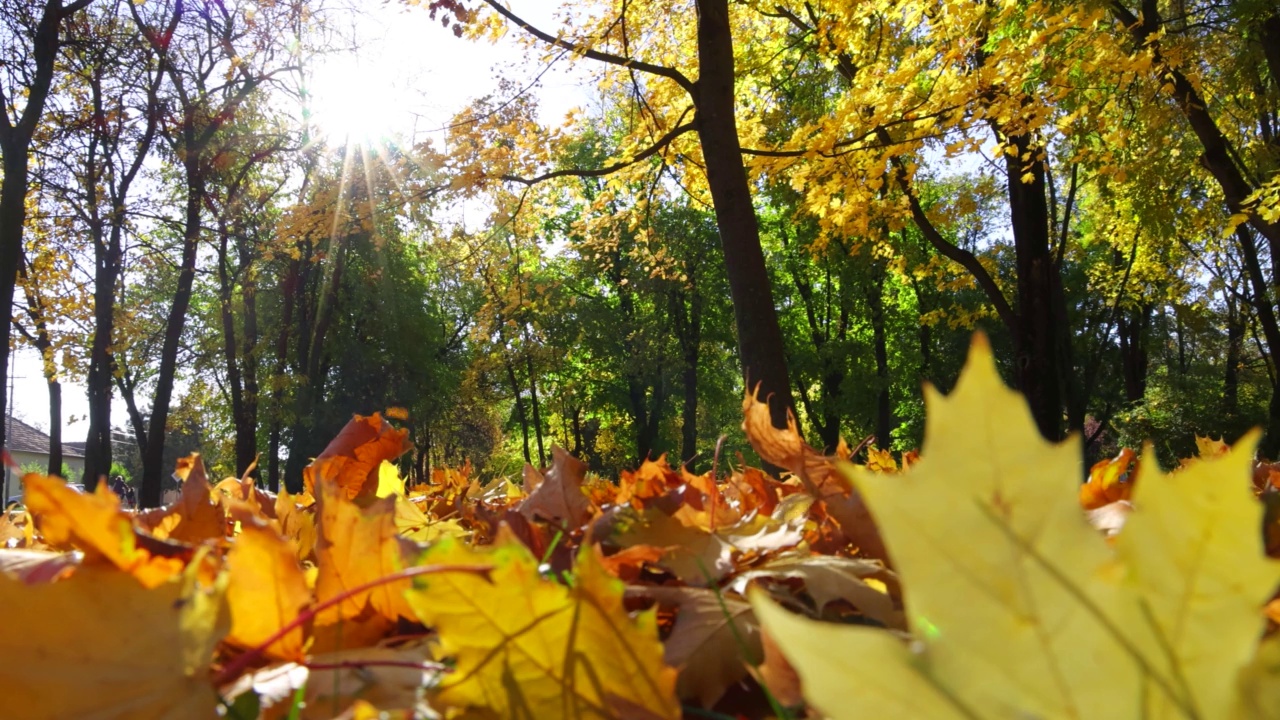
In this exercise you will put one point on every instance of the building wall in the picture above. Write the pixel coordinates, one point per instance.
(74, 464)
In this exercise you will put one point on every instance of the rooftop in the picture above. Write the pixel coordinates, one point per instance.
(21, 437)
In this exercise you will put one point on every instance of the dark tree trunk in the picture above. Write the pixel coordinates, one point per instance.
(686, 314)
(247, 423)
(15, 143)
(1133, 353)
(760, 344)
(153, 458)
(884, 408)
(55, 427)
(239, 357)
(97, 449)
(108, 247)
(1235, 350)
(524, 421)
(1037, 351)
(289, 291)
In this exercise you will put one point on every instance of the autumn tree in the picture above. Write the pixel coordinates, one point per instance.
(705, 107)
(32, 34)
(215, 58)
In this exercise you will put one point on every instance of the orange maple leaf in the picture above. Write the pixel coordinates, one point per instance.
(96, 525)
(1109, 481)
(266, 590)
(352, 459)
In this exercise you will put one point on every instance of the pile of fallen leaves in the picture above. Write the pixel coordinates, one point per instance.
(728, 594)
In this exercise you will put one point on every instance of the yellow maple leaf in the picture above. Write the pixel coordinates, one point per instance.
(528, 646)
(266, 591)
(100, 645)
(95, 524)
(1019, 608)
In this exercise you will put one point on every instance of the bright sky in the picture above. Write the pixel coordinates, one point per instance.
(409, 75)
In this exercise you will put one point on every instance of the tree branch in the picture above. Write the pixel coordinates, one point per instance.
(630, 63)
(952, 252)
(648, 152)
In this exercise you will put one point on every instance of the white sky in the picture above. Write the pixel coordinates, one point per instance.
(411, 76)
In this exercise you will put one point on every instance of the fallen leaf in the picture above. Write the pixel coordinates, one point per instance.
(389, 678)
(695, 556)
(1110, 481)
(95, 524)
(1033, 615)
(99, 645)
(296, 515)
(785, 448)
(37, 566)
(863, 583)
(712, 643)
(627, 563)
(559, 497)
(197, 516)
(266, 591)
(527, 646)
(353, 458)
(356, 546)
(1199, 569)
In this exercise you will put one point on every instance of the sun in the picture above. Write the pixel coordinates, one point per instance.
(353, 99)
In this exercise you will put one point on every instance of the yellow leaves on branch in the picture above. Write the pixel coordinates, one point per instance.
(1032, 613)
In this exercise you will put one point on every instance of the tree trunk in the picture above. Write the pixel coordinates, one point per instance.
(289, 292)
(247, 424)
(153, 457)
(55, 429)
(1235, 350)
(760, 344)
(97, 448)
(524, 422)
(537, 413)
(884, 408)
(686, 315)
(1037, 354)
(1133, 353)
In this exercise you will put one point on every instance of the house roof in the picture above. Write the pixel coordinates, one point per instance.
(21, 437)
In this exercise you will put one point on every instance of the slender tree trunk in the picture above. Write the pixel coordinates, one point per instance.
(247, 425)
(1133, 353)
(230, 349)
(884, 407)
(55, 428)
(153, 458)
(13, 217)
(1235, 349)
(537, 413)
(760, 344)
(686, 314)
(289, 291)
(97, 449)
(524, 422)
